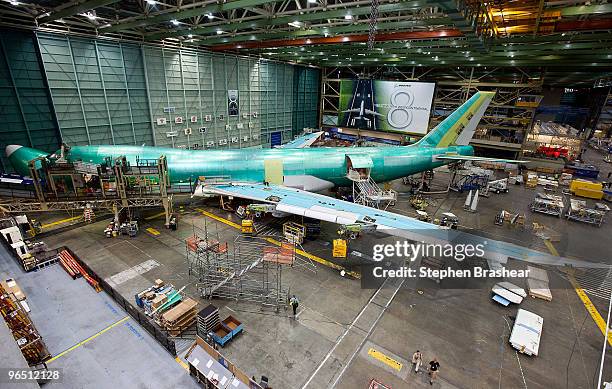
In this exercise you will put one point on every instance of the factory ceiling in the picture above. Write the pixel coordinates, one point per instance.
(571, 39)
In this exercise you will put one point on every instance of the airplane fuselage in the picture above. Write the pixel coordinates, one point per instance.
(328, 164)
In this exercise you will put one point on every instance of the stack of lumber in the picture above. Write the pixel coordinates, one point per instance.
(179, 318)
(74, 269)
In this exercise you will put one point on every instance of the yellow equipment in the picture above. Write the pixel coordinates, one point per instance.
(247, 226)
(588, 189)
(294, 232)
(339, 250)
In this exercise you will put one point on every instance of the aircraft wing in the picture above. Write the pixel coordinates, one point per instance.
(369, 112)
(303, 141)
(476, 159)
(321, 207)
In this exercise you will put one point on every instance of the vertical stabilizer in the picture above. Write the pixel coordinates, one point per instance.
(459, 127)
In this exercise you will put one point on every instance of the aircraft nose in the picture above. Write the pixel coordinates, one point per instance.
(10, 149)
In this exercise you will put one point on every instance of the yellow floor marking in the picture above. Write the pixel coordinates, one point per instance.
(392, 363)
(219, 218)
(320, 260)
(183, 364)
(153, 231)
(155, 216)
(597, 318)
(586, 301)
(60, 221)
(88, 339)
(550, 247)
(302, 253)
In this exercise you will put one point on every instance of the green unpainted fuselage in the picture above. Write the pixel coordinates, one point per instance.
(328, 164)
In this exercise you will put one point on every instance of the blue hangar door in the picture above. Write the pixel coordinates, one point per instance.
(276, 138)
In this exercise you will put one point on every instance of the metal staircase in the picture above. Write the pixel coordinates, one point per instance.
(367, 192)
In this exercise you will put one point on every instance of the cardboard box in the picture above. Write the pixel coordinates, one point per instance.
(159, 283)
(10, 285)
(159, 300)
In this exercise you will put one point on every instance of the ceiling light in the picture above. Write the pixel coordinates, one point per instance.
(190, 36)
(219, 32)
(312, 1)
(210, 16)
(151, 2)
(14, 2)
(295, 24)
(345, 39)
(348, 17)
(308, 41)
(175, 22)
(90, 16)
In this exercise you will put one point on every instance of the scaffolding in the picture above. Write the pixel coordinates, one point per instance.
(548, 204)
(112, 185)
(251, 271)
(578, 211)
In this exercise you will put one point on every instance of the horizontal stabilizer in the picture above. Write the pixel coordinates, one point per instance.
(476, 159)
(303, 141)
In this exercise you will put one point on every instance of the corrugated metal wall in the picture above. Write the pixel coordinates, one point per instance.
(111, 93)
(26, 112)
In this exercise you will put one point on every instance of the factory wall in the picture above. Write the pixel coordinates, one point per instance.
(105, 92)
(26, 112)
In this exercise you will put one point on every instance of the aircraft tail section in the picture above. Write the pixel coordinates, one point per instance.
(459, 127)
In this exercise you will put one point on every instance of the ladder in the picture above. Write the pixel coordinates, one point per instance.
(88, 215)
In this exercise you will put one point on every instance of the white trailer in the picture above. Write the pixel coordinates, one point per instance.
(526, 333)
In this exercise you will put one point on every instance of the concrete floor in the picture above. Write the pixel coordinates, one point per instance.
(339, 321)
(67, 312)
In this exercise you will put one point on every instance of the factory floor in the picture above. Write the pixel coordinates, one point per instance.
(345, 335)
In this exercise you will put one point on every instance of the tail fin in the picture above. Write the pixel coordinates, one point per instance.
(459, 127)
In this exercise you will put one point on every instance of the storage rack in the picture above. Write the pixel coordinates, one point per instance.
(580, 212)
(26, 335)
(548, 204)
(208, 319)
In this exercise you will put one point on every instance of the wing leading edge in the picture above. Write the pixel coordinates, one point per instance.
(321, 207)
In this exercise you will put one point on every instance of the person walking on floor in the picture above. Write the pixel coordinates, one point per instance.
(417, 360)
(294, 302)
(434, 367)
